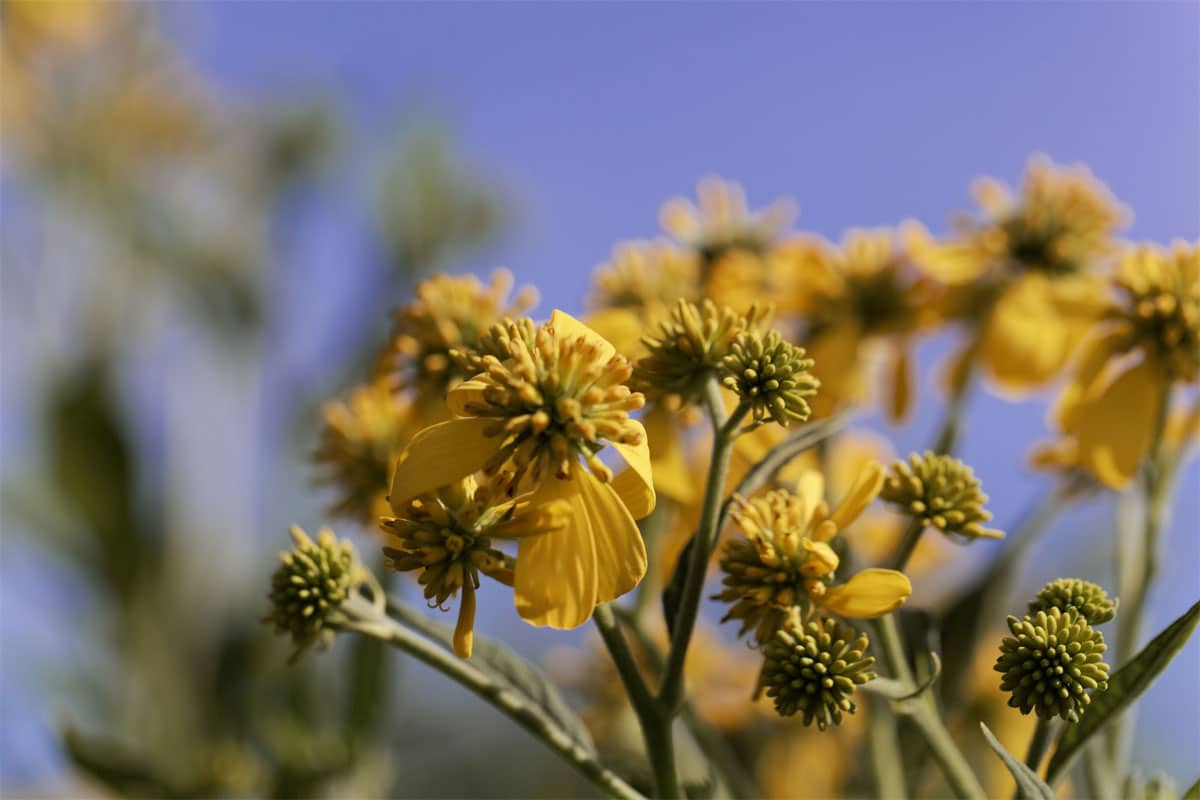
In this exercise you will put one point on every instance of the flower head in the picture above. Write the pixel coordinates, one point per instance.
(1050, 662)
(785, 560)
(1084, 597)
(722, 221)
(309, 586)
(361, 438)
(813, 669)
(941, 491)
(1147, 341)
(447, 536)
(690, 346)
(542, 415)
(772, 375)
(448, 312)
(645, 275)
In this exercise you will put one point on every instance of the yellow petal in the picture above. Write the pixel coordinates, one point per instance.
(438, 456)
(561, 577)
(952, 262)
(635, 485)
(1103, 346)
(870, 593)
(623, 327)
(466, 392)
(567, 326)
(836, 364)
(865, 489)
(820, 559)
(810, 487)
(464, 631)
(1114, 427)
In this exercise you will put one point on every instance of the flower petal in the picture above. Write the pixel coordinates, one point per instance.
(865, 489)
(837, 365)
(870, 593)
(466, 392)
(900, 383)
(567, 326)
(597, 557)
(635, 485)
(1097, 350)
(439, 455)
(1114, 428)
(668, 462)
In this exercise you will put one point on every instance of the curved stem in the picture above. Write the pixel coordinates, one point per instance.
(908, 543)
(660, 749)
(670, 691)
(362, 617)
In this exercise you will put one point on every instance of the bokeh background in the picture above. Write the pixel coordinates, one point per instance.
(205, 224)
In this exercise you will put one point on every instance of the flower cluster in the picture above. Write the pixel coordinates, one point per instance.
(942, 492)
(309, 586)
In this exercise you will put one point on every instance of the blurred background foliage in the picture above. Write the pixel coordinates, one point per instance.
(164, 365)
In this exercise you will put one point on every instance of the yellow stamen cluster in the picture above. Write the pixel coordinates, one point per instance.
(723, 222)
(645, 275)
(309, 586)
(449, 312)
(1162, 290)
(357, 445)
(1065, 220)
(942, 492)
(772, 375)
(497, 341)
(777, 566)
(447, 536)
(555, 400)
(689, 348)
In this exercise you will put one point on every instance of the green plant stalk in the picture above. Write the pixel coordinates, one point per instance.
(1038, 744)
(660, 748)
(670, 691)
(908, 543)
(710, 741)
(948, 430)
(886, 760)
(1155, 484)
(924, 714)
(362, 617)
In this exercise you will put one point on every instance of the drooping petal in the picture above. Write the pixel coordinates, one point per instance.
(837, 365)
(569, 327)
(635, 485)
(438, 456)
(464, 631)
(599, 555)
(1097, 350)
(865, 489)
(871, 593)
(1114, 427)
(466, 392)
(900, 383)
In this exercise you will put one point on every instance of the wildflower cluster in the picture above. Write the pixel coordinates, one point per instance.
(942, 492)
(309, 586)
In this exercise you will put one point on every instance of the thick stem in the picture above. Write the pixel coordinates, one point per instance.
(660, 749)
(364, 618)
(670, 691)
(924, 714)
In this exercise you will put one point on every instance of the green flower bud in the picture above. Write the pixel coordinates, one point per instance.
(1087, 598)
(942, 492)
(310, 586)
(772, 375)
(813, 669)
(690, 346)
(1050, 663)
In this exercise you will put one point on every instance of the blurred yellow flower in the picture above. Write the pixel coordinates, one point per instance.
(449, 312)
(1028, 268)
(1148, 341)
(863, 294)
(722, 221)
(360, 441)
(555, 401)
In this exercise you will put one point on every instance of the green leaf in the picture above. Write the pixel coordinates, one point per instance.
(672, 593)
(1029, 785)
(1123, 688)
(111, 763)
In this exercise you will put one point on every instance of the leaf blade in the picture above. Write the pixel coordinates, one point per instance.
(1029, 785)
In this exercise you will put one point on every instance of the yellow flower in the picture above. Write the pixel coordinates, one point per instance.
(447, 535)
(361, 438)
(449, 312)
(1148, 341)
(786, 561)
(543, 415)
(860, 297)
(722, 221)
(1028, 269)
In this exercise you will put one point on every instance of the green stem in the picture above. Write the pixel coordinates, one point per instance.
(361, 616)
(948, 430)
(1038, 744)
(886, 759)
(670, 691)
(925, 716)
(660, 749)
(908, 543)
